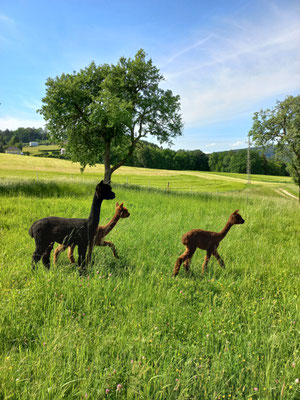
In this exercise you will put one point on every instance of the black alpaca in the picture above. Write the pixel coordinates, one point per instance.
(68, 231)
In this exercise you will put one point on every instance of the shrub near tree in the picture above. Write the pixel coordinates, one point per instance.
(107, 106)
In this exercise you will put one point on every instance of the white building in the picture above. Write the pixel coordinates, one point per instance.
(33, 144)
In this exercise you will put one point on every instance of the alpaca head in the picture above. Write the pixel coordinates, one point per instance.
(103, 191)
(122, 211)
(235, 218)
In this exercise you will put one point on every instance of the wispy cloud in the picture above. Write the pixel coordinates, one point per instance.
(32, 104)
(7, 20)
(199, 43)
(8, 30)
(238, 143)
(12, 123)
(233, 70)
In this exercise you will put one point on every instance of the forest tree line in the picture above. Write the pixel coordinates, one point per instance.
(148, 155)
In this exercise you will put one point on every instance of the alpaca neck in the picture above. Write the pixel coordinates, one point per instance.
(225, 230)
(112, 223)
(94, 216)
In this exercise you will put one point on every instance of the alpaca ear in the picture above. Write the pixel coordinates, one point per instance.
(117, 204)
(101, 183)
(236, 212)
(121, 205)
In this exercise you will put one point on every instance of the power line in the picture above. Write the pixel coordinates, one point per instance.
(249, 161)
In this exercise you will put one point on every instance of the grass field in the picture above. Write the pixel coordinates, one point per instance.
(41, 149)
(17, 167)
(127, 329)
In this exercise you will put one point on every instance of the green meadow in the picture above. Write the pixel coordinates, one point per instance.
(41, 149)
(127, 329)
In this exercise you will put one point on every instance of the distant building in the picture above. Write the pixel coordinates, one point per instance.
(14, 150)
(33, 144)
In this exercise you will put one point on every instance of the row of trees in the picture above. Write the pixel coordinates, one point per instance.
(236, 161)
(147, 155)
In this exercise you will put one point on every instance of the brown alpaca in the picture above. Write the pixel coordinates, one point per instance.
(102, 231)
(205, 240)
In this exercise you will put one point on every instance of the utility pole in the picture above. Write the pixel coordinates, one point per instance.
(249, 161)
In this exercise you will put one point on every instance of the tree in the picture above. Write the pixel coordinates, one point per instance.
(281, 126)
(200, 160)
(107, 106)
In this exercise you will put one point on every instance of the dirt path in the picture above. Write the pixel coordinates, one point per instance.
(227, 178)
(285, 193)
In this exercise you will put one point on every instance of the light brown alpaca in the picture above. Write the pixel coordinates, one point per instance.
(102, 231)
(205, 240)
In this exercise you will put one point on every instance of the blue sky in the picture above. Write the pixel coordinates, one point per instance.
(226, 59)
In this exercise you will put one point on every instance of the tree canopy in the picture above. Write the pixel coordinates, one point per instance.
(280, 125)
(103, 107)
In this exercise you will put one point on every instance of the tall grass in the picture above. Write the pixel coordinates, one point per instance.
(127, 329)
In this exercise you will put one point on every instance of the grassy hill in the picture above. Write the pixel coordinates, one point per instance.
(127, 329)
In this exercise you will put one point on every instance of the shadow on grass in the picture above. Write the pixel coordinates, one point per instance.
(121, 266)
(105, 263)
(213, 272)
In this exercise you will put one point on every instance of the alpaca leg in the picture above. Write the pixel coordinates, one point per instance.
(184, 256)
(35, 259)
(81, 256)
(59, 249)
(206, 259)
(219, 259)
(37, 255)
(90, 250)
(187, 264)
(46, 256)
(71, 254)
(112, 246)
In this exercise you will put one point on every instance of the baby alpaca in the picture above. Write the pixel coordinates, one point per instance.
(205, 240)
(102, 231)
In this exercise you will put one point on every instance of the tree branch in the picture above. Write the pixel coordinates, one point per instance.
(130, 152)
(81, 114)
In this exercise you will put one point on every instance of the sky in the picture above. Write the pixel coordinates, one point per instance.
(226, 59)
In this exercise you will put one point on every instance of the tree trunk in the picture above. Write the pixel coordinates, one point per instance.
(107, 167)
